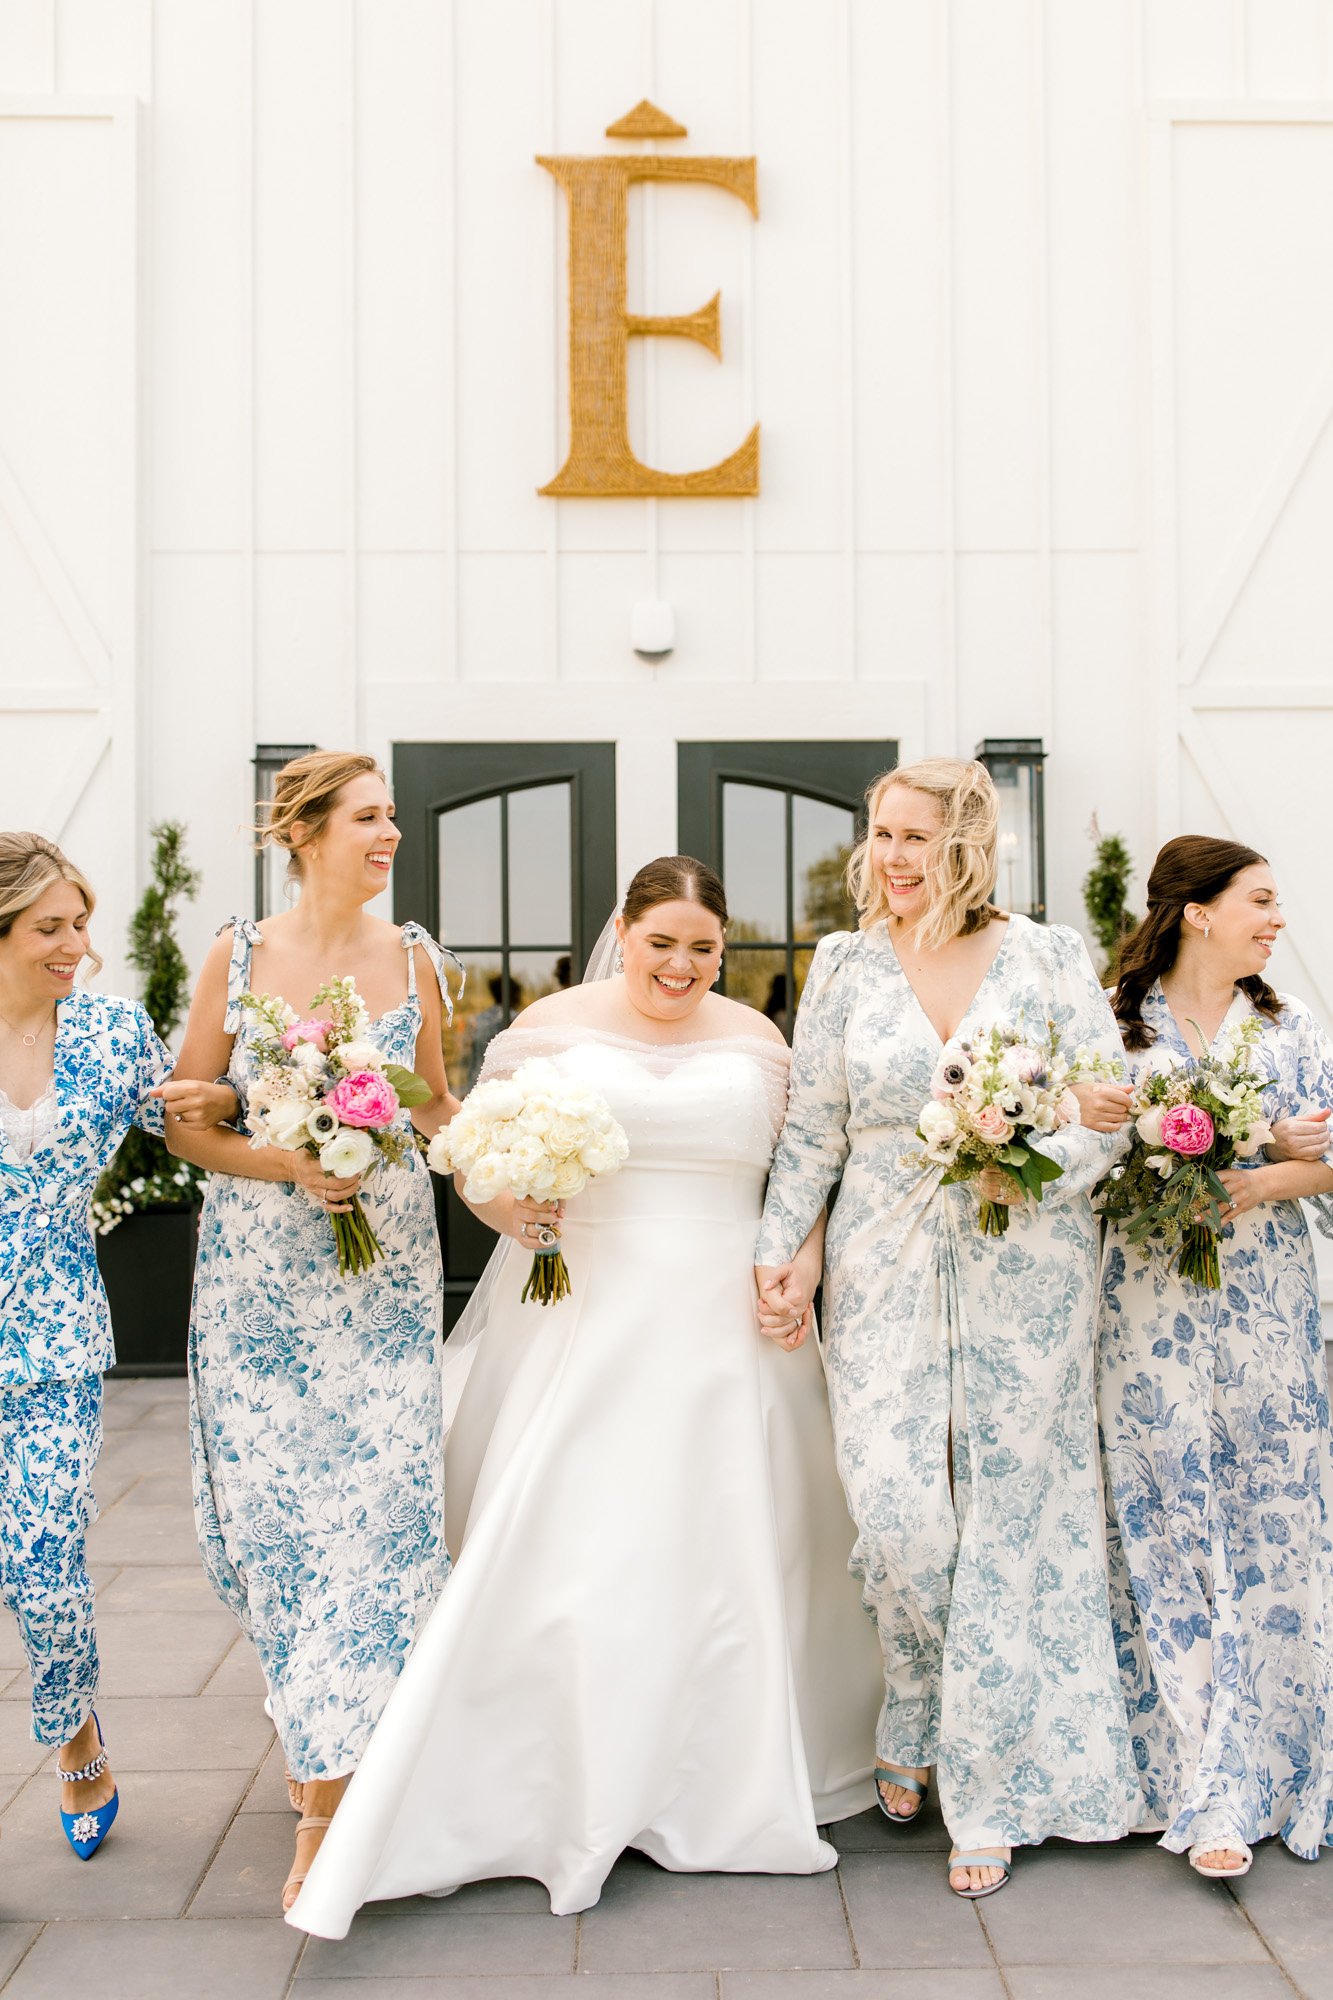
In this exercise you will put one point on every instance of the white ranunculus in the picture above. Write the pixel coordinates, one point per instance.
(347, 1152)
(488, 1178)
(568, 1178)
(504, 1099)
(1149, 1125)
(527, 1157)
(356, 1056)
(307, 1058)
(939, 1122)
(285, 1123)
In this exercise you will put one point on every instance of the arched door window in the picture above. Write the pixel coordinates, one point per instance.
(778, 821)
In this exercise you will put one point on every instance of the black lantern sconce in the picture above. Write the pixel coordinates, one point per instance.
(1015, 764)
(271, 862)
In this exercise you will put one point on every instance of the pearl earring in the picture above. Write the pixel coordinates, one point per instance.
(618, 962)
(1207, 932)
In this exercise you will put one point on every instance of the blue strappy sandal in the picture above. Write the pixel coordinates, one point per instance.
(980, 1857)
(893, 1776)
(86, 1831)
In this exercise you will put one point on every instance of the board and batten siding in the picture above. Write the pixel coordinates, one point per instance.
(1035, 319)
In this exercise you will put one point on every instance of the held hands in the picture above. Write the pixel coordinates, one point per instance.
(1304, 1138)
(1103, 1107)
(783, 1307)
(198, 1105)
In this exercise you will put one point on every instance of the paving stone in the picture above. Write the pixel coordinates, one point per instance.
(930, 1983)
(12, 1655)
(14, 1941)
(150, 1525)
(18, 1753)
(651, 1920)
(870, 1833)
(1114, 1906)
(163, 1587)
(269, 1791)
(237, 1960)
(168, 1826)
(246, 1875)
(162, 1653)
(432, 1940)
(222, 1734)
(237, 1673)
(902, 1914)
(1149, 1982)
(552, 1986)
(1291, 1903)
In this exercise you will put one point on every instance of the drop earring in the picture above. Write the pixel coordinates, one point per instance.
(618, 962)
(1207, 932)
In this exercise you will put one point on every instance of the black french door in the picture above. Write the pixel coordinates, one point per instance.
(509, 859)
(778, 822)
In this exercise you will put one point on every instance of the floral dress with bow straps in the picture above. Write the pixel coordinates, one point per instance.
(315, 1421)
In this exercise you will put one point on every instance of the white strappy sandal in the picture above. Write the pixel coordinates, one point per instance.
(1223, 1846)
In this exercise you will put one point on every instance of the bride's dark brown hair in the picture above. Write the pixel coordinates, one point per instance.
(1189, 869)
(674, 878)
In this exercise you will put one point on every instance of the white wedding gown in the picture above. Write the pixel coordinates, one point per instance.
(650, 1638)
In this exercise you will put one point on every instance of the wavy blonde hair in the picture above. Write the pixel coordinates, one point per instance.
(959, 863)
(29, 864)
(306, 790)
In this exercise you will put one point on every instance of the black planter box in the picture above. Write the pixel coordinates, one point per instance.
(147, 1266)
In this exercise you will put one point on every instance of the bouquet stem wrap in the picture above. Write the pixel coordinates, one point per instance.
(548, 1280)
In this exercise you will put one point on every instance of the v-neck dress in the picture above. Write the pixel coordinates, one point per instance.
(1214, 1410)
(947, 1349)
(316, 1424)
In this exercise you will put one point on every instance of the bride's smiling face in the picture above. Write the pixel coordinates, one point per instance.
(673, 954)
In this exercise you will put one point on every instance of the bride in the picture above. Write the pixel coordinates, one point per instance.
(649, 1638)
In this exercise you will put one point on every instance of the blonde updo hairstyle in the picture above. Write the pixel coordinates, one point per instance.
(958, 865)
(29, 865)
(305, 793)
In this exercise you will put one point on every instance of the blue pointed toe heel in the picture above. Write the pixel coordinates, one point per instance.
(85, 1831)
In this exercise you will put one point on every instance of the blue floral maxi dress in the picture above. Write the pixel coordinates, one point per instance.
(944, 1346)
(1214, 1411)
(316, 1427)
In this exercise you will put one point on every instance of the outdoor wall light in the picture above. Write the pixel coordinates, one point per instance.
(1015, 764)
(652, 628)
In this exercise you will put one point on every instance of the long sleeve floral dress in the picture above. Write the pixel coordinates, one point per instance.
(1214, 1411)
(946, 1348)
(316, 1423)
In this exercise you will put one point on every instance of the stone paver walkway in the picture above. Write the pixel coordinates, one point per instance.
(183, 1898)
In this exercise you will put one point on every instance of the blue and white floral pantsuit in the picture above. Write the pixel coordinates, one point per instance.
(960, 1371)
(316, 1424)
(55, 1338)
(1214, 1410)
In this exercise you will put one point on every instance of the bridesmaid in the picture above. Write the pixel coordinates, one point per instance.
(77, 1069)
(1214, 1405)
(315, 1399)
(960, 1366)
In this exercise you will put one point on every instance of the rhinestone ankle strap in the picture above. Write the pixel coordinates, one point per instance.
(84, 1776)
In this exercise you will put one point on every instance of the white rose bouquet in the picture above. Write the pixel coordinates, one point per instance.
(539, 1135)
(991, 1097)
(324, 1088)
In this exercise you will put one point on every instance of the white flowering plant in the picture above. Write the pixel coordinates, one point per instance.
(1192, 1120)
(540, 1136)
(324, 1088)
(992, 1097)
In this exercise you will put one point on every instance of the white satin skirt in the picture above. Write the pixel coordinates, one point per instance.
(650, 1638)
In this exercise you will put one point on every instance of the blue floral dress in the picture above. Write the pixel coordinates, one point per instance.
(1214, 1411)
(316, 1424)
(946, 1348)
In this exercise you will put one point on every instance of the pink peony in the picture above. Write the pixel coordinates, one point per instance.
(364, 1099)
(314, 1031)
(991, 1124)
(1187, 1130)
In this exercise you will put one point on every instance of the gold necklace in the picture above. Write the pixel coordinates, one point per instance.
(28, 1041)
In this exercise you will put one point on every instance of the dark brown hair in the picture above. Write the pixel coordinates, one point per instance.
(674, 878)
(1189, 869)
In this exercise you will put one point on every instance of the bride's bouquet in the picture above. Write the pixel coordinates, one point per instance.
(324, 1088)
(991, 1097)
(1191, 1122)
(542, 1137)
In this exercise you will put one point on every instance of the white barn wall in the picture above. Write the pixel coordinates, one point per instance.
(351, 358)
